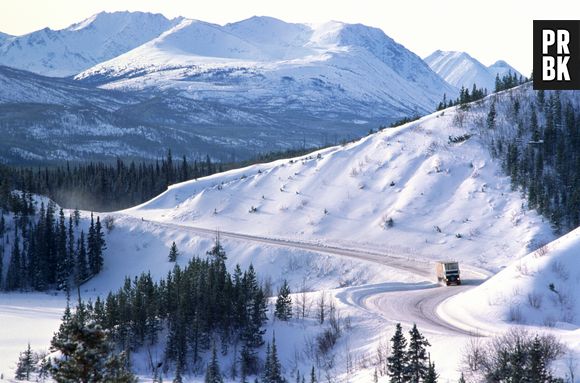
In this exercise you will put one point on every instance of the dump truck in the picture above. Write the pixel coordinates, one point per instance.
(448, 272)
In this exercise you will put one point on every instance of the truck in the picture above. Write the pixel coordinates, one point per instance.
(448, 273)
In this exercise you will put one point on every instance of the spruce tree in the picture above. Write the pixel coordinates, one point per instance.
(274, 370)
(417, 356)
(491, 116)
(537, 373)
(173, 252)
(91, 248)
(100, 246)
(217, 250)
(283, 309)
(213, 373)
(461, 379)
(312, 376)
(86, 354)
(25, 365)
(398, 360)
(82, 271)
(431, 375)
(14, 275)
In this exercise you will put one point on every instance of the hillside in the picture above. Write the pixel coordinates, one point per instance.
(406, 190)
(540, 289)
(54, 119)
(461, 70)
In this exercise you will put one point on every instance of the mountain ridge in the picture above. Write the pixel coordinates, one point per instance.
(460, 69)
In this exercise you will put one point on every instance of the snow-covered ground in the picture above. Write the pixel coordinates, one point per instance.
(444, 199)
(315, 215)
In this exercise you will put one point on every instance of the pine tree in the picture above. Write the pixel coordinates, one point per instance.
(82, 272)
(283, 309)
(217, 250)
(461, 379)
(398, 360)
(491, 116)
(14, 275)
(92, 246)
(417, 356)
(25, 365)
(213, 373)
(173, 252)
(273, 369)
(431, 375)
(537, 372)
(100, 246)
(62, 266)
(86, 354)
(312, 376)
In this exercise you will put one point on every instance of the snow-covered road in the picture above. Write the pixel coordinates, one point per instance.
(397, 302)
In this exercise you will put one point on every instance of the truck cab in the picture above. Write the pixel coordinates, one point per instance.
(448, 272)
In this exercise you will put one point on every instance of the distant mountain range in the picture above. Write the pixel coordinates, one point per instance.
(460, 69)
(133, 84)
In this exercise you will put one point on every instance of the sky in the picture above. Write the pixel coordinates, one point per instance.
(489, 30)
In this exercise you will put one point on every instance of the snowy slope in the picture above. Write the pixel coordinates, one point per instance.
(332, 67)
(68, 51)
(460, 69)
(443, 198)
(539, 289)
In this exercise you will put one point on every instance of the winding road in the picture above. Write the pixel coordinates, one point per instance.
(405, 303)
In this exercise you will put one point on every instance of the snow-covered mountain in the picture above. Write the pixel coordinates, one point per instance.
(329, 68)
(68, 51)
(501, 68)
(460, 69)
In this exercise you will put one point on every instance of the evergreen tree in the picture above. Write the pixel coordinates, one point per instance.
(398, 360)
(173, 252)
(273, 367)
(82, 271)
(100, 246)
(283, 309)
(491, 116)
(14, 275)
(86, 354)
(213, 373)
(431, 375)
(417, 356)
(217, 250)
(94, 248)
(62, 265)
(461, 379)
(25, 365)
(537, 372)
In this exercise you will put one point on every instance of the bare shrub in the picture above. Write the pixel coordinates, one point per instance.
(560, 270)
(109, 222)
(490, 360)
(515, 314)
(542, 250)
(535, 299)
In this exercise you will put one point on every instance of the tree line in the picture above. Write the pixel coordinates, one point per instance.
(45, 250)
(507, 81)
(102, 186)
(540, 153)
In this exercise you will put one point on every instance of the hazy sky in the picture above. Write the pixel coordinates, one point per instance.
(487, 29)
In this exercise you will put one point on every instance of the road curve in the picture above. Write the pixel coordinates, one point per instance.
(404, 302)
